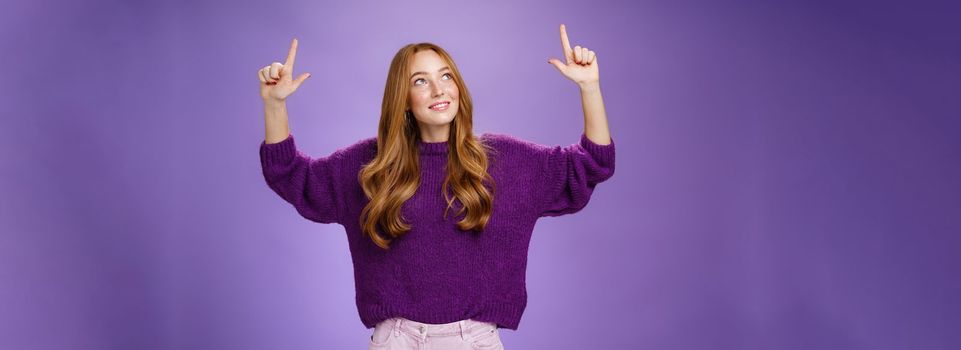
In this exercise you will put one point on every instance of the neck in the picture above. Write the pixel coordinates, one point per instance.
(434, 133)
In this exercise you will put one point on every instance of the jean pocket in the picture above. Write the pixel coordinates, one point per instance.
(487, 340)
(381, 336)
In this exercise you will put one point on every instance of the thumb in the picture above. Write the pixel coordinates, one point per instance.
(300, 79)
(561, 66)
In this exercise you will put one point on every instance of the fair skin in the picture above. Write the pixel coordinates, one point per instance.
(432, 82)
(579, 65)
(276, 84)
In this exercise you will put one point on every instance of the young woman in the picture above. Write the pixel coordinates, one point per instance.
(438, 220)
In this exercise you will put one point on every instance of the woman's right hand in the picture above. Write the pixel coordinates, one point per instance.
(276, 82)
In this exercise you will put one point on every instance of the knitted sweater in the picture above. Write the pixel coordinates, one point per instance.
(437, 273)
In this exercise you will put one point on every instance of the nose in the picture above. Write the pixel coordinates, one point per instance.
(437, 90)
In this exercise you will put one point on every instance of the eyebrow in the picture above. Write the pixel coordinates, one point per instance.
(439, 70)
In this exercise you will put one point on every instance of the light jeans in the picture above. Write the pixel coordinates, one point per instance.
(400, 333)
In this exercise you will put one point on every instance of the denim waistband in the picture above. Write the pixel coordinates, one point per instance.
(465, 328)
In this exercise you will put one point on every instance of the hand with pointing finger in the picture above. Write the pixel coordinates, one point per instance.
(276, 80)
(581, 63)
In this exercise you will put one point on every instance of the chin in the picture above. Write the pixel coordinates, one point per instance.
(449, 116)
(443, 120)
(451, 112)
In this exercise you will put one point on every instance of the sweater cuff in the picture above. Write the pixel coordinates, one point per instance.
(278, 153)
(604, 154)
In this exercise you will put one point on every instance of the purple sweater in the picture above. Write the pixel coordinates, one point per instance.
(437, 273)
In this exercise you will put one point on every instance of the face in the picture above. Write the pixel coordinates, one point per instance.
(432, 82)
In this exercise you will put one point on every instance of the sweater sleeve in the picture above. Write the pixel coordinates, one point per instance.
(311, 185)
(571, 174)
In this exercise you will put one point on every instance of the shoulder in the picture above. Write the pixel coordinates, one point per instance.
(363, 145)
(360, 151)
(505, 143)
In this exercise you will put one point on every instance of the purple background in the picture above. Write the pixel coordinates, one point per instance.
(787, 173)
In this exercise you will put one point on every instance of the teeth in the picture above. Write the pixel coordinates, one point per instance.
(440, 105)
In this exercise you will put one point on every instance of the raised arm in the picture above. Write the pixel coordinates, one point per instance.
(314, 186)
(276, 84)
(570, 174)
(311, 185)
(581, 68)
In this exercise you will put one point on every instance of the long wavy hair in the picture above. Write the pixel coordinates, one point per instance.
(392, 177)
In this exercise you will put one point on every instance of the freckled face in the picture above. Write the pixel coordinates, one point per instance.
(431, 82)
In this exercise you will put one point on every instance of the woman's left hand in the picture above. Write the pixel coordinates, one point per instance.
(581, 65)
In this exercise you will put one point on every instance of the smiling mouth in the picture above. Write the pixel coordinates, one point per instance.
(439, 106)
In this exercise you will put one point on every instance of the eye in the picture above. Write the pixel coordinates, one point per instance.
(451, 76)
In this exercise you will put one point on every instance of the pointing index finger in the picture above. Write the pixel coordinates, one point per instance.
(566, 44)
(291, 55)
